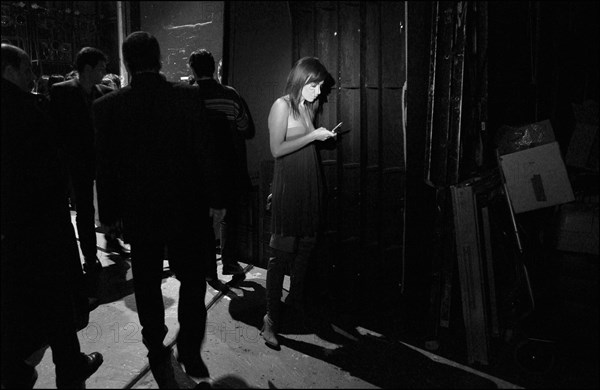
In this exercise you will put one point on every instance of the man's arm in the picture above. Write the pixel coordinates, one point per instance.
(212, 151)
(245, 122)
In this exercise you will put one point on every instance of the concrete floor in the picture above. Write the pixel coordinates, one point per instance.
(237, 356)
(318, 354)
(323, 352)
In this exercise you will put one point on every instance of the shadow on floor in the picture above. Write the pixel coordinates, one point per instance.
(383, 363)
(116, 283)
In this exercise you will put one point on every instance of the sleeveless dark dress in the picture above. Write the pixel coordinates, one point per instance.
(297, 191)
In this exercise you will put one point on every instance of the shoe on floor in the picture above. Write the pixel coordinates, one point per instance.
(114, 245)
(92, 266)
(232, 268)
(76, 377)
(194, 366)
(237, 278)
(269, 333)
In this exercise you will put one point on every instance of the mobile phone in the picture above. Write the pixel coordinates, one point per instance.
(336, 126)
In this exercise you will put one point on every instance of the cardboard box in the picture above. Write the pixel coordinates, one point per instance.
(578, 228)
(536, 178)
(514, 139)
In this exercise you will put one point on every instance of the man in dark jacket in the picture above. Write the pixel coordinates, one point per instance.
(71, 103)
(41, 273)
(160, 178)
(229, 116)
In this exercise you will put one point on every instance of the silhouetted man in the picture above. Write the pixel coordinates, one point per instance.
(229, 116)
(160, 178)
(71, 103)
(42, 282)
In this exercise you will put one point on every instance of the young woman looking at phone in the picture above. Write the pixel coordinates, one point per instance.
(297, 188)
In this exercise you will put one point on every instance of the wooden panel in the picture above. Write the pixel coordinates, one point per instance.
(393, 152)
(393, 203)
(349, 45)
(331, 201)
(392, 41)
(328, 118)
(372, 205)
(365, 197)
(350, 115)
(372, 138)
(304, 33)
(327, 39)
(470, 273)
(350, 202)
(392, 257)
(372, 45)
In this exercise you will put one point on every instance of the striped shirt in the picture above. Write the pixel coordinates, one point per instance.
(228, 113)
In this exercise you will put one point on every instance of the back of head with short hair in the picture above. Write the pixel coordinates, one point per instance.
(88, 56)
(11, 56)
(141, 52)
(203, 63)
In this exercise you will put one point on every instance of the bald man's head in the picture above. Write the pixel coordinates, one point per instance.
(16, 67)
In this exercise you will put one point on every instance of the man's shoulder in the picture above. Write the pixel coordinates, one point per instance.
(66, 85)
(104, 89)
(182, 87)
(228, 88)
(113, 96)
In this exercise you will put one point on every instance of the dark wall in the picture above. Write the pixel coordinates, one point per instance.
(543, 57)
(260, 60)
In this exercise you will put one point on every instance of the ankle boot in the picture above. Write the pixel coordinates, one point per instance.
(268, 332)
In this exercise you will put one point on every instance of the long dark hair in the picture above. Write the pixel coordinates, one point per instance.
(305, 71)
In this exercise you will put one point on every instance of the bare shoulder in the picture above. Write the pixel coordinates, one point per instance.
(281, 105)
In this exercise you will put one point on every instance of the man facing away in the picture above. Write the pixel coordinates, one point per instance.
(42, 281)
(229, 116)
(161, 178)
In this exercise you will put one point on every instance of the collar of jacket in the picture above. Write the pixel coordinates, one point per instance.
(144, 78)
(206, 81)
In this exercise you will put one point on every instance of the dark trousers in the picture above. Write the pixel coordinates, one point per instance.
(38, 310)
(296, 257)
(229, 231)
(83, 188)
(186, 253)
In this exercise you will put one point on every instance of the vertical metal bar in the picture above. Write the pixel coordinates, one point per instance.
(456, 94)
(404, 121)
(380, 209)
(364, 152)
(431, 92)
